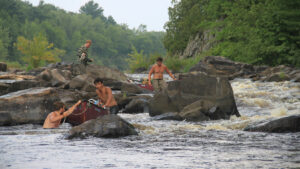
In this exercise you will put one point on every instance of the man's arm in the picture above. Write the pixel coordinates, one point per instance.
(53, 118)
(171, 75)
(109, 93)
(149, 76)
(70, 110)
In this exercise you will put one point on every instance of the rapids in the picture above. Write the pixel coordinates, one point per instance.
(170, 144)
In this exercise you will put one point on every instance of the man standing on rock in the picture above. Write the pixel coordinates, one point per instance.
(83, 53)
(158, 70)
(53, 119)
(106, 98)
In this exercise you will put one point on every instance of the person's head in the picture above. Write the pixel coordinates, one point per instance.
(159, 61)
(59, 106)
(88, 43)
(98, 83)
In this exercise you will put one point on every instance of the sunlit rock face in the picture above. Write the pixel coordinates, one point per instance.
(27, 106)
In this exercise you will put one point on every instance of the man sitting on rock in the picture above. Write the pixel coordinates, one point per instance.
(158, 70)
(106, 98)
(53, 119)
(83, 53)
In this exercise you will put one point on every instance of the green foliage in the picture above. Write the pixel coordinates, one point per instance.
(136, 60)
(91, 8)
(258, 32)
(38, 52)
(111, 42)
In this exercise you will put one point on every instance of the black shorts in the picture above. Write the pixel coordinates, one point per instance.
(114, 110)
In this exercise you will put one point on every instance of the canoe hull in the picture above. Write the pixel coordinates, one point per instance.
(84, 112)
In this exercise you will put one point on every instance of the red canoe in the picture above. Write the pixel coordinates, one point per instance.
(146, 87)
(84, 112)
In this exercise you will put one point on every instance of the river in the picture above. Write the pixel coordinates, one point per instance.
(170, 144)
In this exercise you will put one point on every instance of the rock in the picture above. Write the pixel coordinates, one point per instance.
(131, 88)
(209, 91)
(95, 71)
(198, 44)
(161, 103)
(82, 82)
(277, 77)
(203, 110)
(220, 66)
(123, 99)
(296, 78)
(168, 116)
(281, 125)
(138, 104)
(15, 85)
(3, 67)
(104, 126)
(56, 77)
(27, 106)
(16, 77)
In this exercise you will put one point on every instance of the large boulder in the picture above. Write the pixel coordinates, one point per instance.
(104, 126)
(280, 125)
(27, 106)
(209, 96)
(3, 67)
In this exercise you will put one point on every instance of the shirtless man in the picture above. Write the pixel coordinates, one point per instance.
(53, 119)
(158, 70)
(106, 99)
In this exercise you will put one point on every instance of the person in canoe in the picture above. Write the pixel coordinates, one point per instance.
(106, 98)
(83, 53)
(158, 70)
(54, 118)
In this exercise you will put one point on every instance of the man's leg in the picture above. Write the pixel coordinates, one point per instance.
(162, 85)
(155, 84)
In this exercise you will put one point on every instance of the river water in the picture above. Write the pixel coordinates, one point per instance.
(170, 144)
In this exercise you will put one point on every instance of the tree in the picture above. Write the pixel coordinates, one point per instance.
(38, 52)
(92, 8)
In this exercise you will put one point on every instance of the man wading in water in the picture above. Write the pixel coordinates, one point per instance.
(83, 53)
(105, 97)
(158, 70)
(53, 119)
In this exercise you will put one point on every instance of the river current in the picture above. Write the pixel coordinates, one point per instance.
(170, 144)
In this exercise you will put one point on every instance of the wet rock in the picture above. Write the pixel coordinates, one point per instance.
(281, 125)
(168, 116)
(111, 126)
(3, 67)
(209, 91)
(27, 106)
(138, 104)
